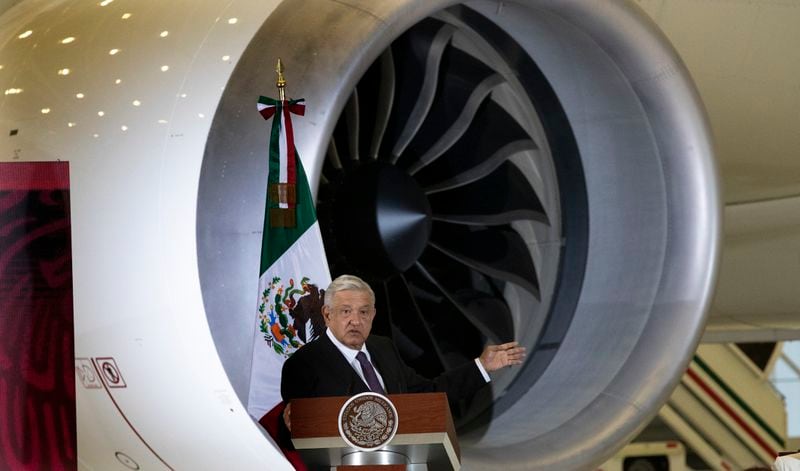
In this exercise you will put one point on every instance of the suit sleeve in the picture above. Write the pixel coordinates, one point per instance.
(297, 381)
(460, 383)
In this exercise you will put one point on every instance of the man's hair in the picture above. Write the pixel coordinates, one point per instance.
(347, 282)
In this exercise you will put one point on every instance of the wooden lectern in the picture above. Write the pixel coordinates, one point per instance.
(425, 439)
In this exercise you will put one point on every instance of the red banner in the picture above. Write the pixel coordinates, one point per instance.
(37, 379)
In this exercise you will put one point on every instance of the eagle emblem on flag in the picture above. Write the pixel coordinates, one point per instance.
(290, 316)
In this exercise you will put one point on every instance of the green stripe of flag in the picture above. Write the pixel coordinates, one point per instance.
(277, 240)
(738, 400)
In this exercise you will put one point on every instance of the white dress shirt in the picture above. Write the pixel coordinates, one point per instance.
(350, 356)
(787, 463)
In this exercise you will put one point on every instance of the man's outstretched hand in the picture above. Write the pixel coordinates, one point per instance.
(495, 357)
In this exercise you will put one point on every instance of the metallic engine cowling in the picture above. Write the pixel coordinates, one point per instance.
(620, 314)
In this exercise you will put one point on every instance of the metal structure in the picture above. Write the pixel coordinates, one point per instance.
(537, 170)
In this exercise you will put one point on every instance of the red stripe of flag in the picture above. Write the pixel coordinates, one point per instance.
(291, 171)
(731, 413)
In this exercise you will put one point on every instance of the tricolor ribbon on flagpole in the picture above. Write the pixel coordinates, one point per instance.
(282, 179)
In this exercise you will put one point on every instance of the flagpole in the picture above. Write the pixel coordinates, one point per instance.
(281, 83)
(291, 250)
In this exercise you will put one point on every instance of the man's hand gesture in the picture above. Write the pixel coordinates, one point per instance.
(495, 357)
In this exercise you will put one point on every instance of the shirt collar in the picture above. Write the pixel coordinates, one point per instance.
(349, 353)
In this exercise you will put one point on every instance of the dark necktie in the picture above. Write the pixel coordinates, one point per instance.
(369, 373)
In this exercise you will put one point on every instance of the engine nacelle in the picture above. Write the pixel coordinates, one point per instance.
(576, 123)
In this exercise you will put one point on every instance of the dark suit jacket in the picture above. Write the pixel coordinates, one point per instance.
(319, 369)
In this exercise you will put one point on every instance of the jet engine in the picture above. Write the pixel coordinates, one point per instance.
(530, 170)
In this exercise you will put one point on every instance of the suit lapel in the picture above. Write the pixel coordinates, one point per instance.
(339, 363)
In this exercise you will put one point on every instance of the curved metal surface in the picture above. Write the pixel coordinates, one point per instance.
(167, 209)
(653, 213)
(652, 257)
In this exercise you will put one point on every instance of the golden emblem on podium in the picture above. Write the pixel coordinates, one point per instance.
(368, 421)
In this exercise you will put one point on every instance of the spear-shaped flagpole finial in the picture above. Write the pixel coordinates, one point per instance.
(281, 83)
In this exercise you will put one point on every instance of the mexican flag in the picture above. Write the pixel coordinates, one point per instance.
(294, 271)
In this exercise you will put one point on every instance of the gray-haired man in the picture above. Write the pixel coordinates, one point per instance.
(347, 360)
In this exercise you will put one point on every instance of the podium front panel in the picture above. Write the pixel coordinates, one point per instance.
(425, 435)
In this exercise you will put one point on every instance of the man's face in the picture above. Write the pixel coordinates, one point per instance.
(349, 317)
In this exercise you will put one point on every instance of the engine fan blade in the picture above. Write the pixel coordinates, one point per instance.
(492, 137)
(419, 49)
(332, 156)
(468, 83)
(352, 118)
(474, 294)
(407, 318)
(384, 102)
(457, 341)
(479, 203)
(460, 125)
(497, 251)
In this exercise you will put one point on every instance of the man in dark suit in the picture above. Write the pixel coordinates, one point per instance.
(347, 360)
